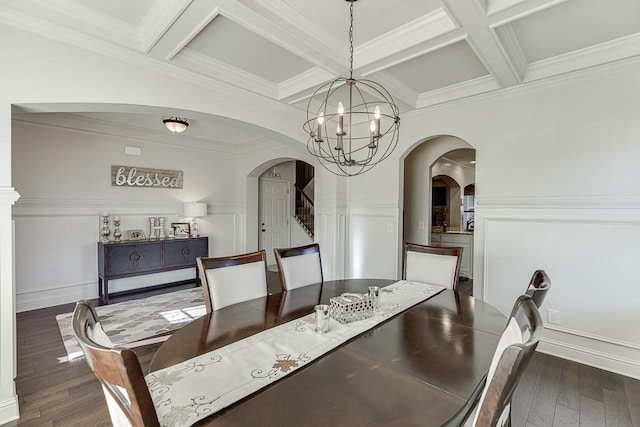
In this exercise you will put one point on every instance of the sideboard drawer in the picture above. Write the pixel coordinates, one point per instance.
(126, 259)
(184, 251)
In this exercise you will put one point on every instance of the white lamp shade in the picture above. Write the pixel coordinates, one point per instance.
(195, 209)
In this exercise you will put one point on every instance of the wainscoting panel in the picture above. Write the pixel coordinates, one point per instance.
(56, 245)
(593, 266)
(372, 246)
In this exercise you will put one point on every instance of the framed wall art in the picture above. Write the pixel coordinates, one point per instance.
(135, 234)
(181, 229)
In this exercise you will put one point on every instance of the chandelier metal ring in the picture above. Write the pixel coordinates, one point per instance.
(351, 140)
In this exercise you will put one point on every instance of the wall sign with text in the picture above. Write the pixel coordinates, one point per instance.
(132, 176)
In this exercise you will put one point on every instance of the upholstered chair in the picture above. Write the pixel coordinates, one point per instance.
(538, 287)
(432, 264)
(299, 266)
(233, 279)
(490, 402)
(117, 369)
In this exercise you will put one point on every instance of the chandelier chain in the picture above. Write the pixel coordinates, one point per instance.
(351, 42)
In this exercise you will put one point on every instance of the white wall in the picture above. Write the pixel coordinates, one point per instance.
(556, 187)
(64, 176)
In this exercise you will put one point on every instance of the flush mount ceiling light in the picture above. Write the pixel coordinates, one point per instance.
(175, 124)
(353, 124)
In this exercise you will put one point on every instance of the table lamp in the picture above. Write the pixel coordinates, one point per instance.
(195, 210)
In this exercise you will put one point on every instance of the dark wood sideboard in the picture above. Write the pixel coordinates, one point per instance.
(130, 258)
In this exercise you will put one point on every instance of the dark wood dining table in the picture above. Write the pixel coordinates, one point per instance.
(417, 368)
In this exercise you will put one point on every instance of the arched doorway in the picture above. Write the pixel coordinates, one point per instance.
(286, 193)
(449, 160)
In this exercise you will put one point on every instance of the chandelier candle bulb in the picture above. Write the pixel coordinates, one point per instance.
(376, 114)
(320, 123)
(372, 135)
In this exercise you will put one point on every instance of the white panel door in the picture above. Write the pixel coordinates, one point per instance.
(274, 216)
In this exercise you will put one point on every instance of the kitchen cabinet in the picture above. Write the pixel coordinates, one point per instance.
(458, 239)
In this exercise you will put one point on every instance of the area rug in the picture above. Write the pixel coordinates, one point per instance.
(135, 320)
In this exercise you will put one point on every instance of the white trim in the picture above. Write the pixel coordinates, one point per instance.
(9, 410)
(587, 356)
(8, 196)
(561, 202)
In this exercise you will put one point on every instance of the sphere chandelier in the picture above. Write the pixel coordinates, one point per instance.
(355, 125)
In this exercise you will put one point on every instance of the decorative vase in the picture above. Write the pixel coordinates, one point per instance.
(105, 231)
(117, 234)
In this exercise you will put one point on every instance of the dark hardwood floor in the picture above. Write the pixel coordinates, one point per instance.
(56, 392)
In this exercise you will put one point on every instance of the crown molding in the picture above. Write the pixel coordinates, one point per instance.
(420, 30)
(119, 32)
(602, 53)
(324, 42)
(500, 12)
(118, 132)
(404, 97)
(304, 82)
(225, 72)
(458, 91)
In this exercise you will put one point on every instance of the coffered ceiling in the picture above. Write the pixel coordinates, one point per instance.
(426, 52)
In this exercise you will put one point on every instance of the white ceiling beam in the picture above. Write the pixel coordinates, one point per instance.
(502, 11)
(290, 31)
(219, 70)
(185, 28)
(414, 33)
(159, 18)
(470, 15)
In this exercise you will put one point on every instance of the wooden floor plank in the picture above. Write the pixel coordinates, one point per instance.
(632, 388)
(616, 409)
(591, 383)
(591, 413)
(569, 391)
(544, 401)
(566, 417)
(521, 400)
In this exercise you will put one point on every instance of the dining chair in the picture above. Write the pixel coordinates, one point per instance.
(538, 287)
(490, 402)
(233, 279)
(117, 369)
(432, 264)
(299, 266)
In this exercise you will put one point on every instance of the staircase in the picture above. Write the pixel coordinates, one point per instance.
(304, 211)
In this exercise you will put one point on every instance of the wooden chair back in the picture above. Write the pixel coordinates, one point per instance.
(432, 264)
(538, 287)
(117, 369)
(299, 266)
(233, 279)
(490, 403)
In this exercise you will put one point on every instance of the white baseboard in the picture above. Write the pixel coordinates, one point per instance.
(587, 356)
(9, 410)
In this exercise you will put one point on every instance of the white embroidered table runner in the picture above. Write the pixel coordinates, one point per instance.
(192, 390)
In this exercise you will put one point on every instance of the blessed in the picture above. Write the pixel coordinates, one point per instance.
(148, 179)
